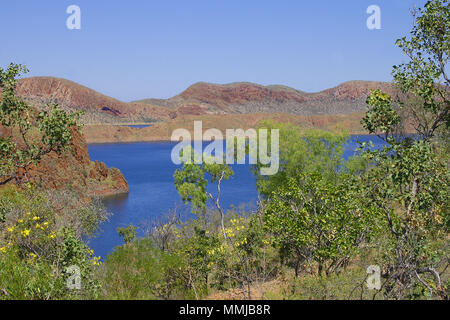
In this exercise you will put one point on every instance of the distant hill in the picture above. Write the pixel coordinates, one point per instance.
(207, 98)
(199, 99)
(98, 108)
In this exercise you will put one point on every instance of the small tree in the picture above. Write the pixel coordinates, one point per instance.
(128, 234)
(410, 182)
(29, 134)
(191, 182)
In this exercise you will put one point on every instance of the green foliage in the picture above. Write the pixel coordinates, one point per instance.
(33, 134)
(192, 262)
(191, 185)
(410, 187)
(37, 246)
(409, 181)
(313, 207)
(89, 216)
(381, 117)
(317, 220)
(302, 150)
(192, 180)
(141, 271)
(424, 75)
(128, 234)
(20, 281)
(244, 257)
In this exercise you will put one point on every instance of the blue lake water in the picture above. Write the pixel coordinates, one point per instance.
(149, 171)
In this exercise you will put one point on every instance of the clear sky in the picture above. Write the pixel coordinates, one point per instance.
(139, 49)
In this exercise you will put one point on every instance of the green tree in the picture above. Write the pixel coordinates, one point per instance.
(312, 204)
(31, 134)
(409, 181)
(128, 234)
(232, 253)
(301, 150)
(192, 181)
(424, 76)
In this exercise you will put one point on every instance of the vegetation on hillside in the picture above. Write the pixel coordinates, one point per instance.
(40, 231)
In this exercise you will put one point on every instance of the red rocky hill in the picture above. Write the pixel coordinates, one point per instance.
(207, 98)
(199, 99)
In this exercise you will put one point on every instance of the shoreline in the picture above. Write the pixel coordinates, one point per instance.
(162, 131)
(174, 142)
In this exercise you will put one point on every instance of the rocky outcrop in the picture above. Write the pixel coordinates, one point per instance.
(73, 170)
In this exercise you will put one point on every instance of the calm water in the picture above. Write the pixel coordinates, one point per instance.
(149, 171)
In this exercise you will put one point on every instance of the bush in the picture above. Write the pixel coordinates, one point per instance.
(138, 270)
(36, 248)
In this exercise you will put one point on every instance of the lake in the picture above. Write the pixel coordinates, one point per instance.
(149, 171)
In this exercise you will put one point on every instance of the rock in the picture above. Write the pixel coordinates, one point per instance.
(75, 171)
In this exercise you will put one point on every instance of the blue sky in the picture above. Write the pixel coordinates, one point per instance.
(138, 49)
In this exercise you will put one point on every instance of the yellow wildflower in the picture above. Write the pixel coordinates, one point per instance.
(96, 261)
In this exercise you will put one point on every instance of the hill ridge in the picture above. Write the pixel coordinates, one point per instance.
(201, 98)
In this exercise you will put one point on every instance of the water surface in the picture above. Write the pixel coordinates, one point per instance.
(149, 171)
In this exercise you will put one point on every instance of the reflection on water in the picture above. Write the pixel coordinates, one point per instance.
(116, 201)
